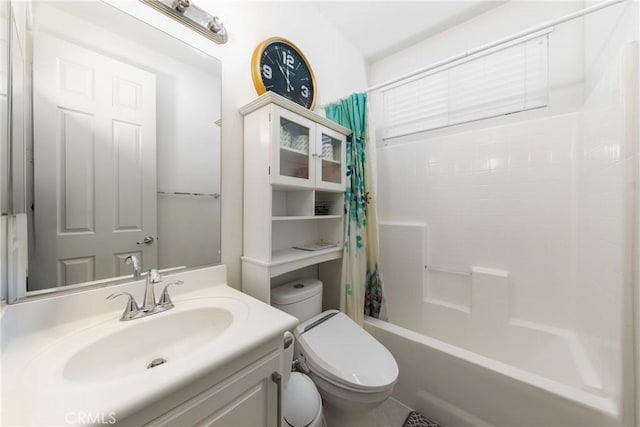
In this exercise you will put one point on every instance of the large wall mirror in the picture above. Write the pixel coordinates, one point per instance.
(121, 143)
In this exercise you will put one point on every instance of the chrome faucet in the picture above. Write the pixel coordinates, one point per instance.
(149, 298)
(132, 259)
(150, 306)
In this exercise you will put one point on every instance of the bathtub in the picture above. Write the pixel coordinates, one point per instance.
(466, 360)
(457, 387)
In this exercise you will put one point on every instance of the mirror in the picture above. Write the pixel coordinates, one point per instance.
(123, 156)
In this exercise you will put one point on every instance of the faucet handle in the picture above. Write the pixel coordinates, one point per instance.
(131, 310)
(165, 300)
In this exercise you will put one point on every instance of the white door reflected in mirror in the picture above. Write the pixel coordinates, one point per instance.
(125, 153)
(95, 147)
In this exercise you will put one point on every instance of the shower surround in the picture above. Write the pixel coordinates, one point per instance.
(507, 253)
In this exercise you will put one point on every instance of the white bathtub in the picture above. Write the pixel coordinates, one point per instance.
(466, 359)
(457, 387)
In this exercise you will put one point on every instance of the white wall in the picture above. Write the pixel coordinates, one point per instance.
(496, 198)
(495, 193)
(604, 33)
(605, 204)
(607, 199)
(339, 69)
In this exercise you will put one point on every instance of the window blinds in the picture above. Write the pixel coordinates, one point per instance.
(504, 80)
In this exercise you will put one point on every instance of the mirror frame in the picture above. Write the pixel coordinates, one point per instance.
(5, 138)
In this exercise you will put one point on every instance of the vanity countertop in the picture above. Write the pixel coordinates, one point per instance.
(42, 383)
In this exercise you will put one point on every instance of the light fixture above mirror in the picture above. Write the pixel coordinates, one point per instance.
(193, 17)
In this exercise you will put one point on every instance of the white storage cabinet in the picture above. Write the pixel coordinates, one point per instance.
(294, 182)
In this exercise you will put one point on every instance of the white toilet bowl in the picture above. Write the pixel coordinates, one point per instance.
(353, 372)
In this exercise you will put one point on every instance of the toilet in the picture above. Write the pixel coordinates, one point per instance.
(353, 372)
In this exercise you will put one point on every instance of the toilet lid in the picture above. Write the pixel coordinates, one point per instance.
(341, 351)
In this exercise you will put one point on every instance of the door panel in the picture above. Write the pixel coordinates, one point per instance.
(95, 156)
(77, 171)
(127, 148)
(78, 270)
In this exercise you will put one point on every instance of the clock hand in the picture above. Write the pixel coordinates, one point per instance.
(289, 86)
(281, 69)
(286, 76)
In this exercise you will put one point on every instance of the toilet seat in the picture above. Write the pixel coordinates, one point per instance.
(342, 353)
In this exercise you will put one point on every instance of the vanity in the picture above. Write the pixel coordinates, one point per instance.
(214, 359)
(116, 155)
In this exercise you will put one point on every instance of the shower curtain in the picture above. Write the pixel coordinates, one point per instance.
(361, 291)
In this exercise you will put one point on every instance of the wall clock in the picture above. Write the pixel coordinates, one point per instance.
(277, 65)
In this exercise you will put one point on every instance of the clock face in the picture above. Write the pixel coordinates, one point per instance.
(284, 70)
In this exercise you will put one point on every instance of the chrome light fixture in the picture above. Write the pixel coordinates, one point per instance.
(193, 17)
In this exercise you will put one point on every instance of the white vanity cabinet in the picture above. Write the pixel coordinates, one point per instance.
(82, 365)
(294, 182)
(241, 393)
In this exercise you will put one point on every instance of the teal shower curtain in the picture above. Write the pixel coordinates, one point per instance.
(361, 290)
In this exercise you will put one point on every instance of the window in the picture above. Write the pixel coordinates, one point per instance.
(506, 79)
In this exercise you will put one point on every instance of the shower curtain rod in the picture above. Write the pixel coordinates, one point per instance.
(484, 47)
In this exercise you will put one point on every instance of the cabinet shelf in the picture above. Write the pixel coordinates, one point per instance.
(293, 150)
(285, 256)
(295, 187)
(289, 259)
(337, 162)
(298, 218)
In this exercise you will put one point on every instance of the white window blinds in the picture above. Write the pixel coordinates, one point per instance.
(501, 81)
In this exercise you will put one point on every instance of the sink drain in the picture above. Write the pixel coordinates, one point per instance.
(157, 362)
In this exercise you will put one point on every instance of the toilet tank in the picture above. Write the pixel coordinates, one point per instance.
(301, 298)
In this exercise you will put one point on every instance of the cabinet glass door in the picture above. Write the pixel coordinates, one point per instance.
(294, 148)
(330, 154)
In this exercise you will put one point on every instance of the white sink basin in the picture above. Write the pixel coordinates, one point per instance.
(113, 351)
(163, 338)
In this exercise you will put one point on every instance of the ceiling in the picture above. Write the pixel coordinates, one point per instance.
(377, 28)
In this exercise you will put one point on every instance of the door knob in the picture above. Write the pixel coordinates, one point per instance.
(146, 241)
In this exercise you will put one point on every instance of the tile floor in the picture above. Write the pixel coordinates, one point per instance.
(391, 414)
